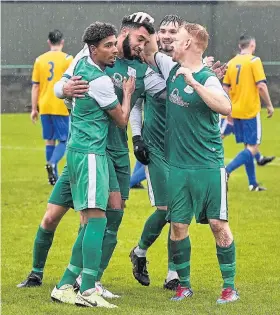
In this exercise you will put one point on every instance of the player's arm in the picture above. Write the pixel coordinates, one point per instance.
(211, 92)
(35, 91)
(260, 79)
(154, 83)
(102, 90)
(141, 152)
(70, 86)
(263, 90)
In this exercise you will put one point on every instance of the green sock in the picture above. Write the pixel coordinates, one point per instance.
(114, 219)
(152, 229)
(181, 254)
(42, 244)
(226, 258)
(92, 251)
(171, 265)
(76, 261)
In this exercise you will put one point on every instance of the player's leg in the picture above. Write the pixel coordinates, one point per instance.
(138, 176)
(114, 214)
(213, 184)
(61, 129)
(59, 203)
(180, 205)
(157, 174)
(89, 188)
(171, 281)
(48, 136)
(252, 138)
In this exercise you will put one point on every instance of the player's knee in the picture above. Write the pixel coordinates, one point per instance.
(50, 142)
(53, 216)
(253, 148)
(179, 231)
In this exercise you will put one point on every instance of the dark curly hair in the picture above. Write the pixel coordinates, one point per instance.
(128, 22)
(97, 31)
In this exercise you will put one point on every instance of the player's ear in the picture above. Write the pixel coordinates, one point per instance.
(62, 42)
(92, 49)
(48, 41)
(124, 31)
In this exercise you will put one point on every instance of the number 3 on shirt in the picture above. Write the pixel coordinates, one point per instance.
(51, 70)
(238, 73)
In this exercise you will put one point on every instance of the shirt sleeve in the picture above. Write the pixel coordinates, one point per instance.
(258, 71)
(36, 72)
(69, 72)
(164, 64)
(154, 83)
(135, 117)
(69, 59)
(214, 85)
(103, 91)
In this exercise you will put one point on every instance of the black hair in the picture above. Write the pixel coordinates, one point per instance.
(245, 40)
(97, 31)
(127, 21)
(55, 37)
(172, 18)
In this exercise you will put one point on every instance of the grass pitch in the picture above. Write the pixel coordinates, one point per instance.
(254, 219)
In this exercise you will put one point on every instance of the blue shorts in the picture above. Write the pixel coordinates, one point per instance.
(248, 131)
(55, 127)
(226, 127)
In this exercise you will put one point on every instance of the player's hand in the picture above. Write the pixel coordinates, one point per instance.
(140, 150)
(219, 69)
(208, 61)
(75, 87)
(34, 116)
(129, 85)
(139, 17)
(270, 111)
(186, 72)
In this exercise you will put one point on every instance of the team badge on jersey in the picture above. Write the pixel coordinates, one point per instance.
(131, 72)
(188, 89)
(117, 80)
(175, 98)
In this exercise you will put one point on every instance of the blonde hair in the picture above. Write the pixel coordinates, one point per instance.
(198, 33)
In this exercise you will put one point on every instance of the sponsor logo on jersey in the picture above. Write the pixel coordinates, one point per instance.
(175, 98)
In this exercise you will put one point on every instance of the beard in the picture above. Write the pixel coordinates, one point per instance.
(126, 48)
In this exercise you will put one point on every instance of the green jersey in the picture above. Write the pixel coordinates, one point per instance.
(89, 120)
(146, 80)
(154, 123)
(192, 135)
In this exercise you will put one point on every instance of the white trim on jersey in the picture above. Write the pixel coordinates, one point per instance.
(150, 188)
(91, 181)
(223, 207)
(259, 128)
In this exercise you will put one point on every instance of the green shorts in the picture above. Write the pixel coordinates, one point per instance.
(61, 194)
(202, 193)
(89, 180)
(157, 173)
(119, 172)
